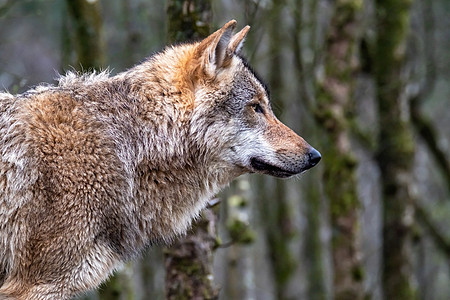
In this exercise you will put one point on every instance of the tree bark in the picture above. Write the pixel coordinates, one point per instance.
(313, 246)
(118, 287)
(87, 22)
(275, 207)
(188, 20)
(395, 153)
(189, 261)
(423, 125)
(312, 240)
(6, 6)
(277, 219)
(238, 262)
(334, 109)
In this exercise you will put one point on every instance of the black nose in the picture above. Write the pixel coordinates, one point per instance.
(314, 157)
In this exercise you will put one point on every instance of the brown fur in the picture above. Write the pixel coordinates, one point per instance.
(98, 167)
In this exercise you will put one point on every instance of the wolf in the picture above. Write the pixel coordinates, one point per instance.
(98, 167)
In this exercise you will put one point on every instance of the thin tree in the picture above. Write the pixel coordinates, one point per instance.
(273, 203)
(188, 261)
(87, 23)
(395, 153)
(333, 114)
(305, 23)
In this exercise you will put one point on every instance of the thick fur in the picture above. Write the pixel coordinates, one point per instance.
(96, 168)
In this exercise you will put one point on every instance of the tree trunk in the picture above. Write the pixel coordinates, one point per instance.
(189, 261)
(313, 244)
(276, 210)
(118, 287)
(334, 109)
(238, 261)
(87, 23)
(188, 20)
(395, 147)
(277, 219)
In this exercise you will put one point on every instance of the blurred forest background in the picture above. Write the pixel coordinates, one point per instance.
(366, 82)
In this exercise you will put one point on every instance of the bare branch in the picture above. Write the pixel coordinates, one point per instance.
(422, 124)
(427, 132)
(429, 53)
(6, 7)
(440, 240)
(298, 48)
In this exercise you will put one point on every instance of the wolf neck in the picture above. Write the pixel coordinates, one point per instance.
(175, 175)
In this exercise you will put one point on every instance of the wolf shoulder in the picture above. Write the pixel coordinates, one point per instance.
(58, 137)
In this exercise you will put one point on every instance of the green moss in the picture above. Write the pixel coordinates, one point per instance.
(118, 286)
(327, 118)
(348, 8)
(217, 243)
(313, 242)
(340, 183)
(87, 22)
(335, 105)
(358, 273)
(396, 145)
(189, 266)
(187, 20)
(240, 232)
(237, 201)
(276, 213)
(393, 16)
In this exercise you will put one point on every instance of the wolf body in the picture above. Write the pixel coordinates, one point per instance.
(96, 168)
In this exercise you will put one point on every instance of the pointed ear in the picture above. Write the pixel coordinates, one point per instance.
(237, 41)
(220, 52)
(217, 50)
(212, 50)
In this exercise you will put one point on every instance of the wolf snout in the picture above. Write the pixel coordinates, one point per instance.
(313, 158)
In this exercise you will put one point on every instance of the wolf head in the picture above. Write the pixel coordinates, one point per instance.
(232, 112)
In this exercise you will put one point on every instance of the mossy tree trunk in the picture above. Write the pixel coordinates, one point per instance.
(275, 208)
(189, 261)
(334, 113)
(118, 287)
(87, 23)
(277, 219)
(395, 154)
(238, 261)
(305, 21)
(188, 20)
(312, 241)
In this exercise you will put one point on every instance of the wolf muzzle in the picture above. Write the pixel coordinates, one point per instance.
(285, 170)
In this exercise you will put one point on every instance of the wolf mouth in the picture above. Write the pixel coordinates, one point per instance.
(266, 168)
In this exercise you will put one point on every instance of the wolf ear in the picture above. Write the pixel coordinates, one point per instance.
(237, 41)
(217, 49)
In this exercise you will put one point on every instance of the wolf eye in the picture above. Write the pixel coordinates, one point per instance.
(258, 108)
